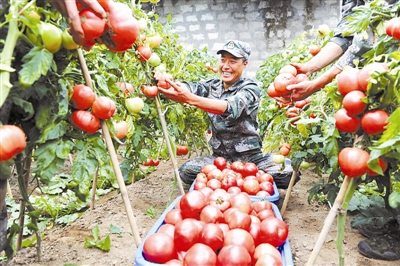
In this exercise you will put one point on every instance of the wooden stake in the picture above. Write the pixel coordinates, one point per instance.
(328, 221)
(114, 158)
(171, 153)
(9, 191)
(288, 191)
(94, 187)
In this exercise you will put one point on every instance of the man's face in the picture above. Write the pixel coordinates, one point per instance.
(231, 68)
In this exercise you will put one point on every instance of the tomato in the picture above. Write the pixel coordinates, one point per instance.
(220, 163)
(345, 122)
(249, 168)
(235, 218)
(261, 205)
(51, 37)
(215, 174)
(122, 29)
(214, 184)
(192, 203)
(265, 214)
(201, 178)
(273, 231)
(200, 254)
(266, 248)
(134, 105)
(220, 199)
(268, 259)
(186, 234)
(265, 177)
(353, 161)
(251, 186)
(92, 24)
(67, 41)
(347, 80)
(154, 60)
(162, 81)
(365, 73)
(304, 165)
(82, 97)
(233, 190)
(211, 214)
(159, 248)
(154, 41)
(148, 162)
(168, 229)
(174, 262)
(374, 122)
(278, 158)
(150, 91)
(284, 151)
(12, 141)
(126, 87)
(383, 165)
(213, 236)
(301, 77)
(314, 49)
(271, 91)
(207, 168)
(234, 255)
(85, 121)
(228, 181)
(142, 24)
(237, 166)
(282, 81)
(120, 129)
(353, 104)
(103, 107)
(143, 52)
(288, 69)
(156, 162)
(240, 237)
(182, 150)
(241, 201)
(173, 216)
(207, 191)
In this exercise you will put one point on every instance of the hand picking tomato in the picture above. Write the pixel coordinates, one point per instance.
(92, 24)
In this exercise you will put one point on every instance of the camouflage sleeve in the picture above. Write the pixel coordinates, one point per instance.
(199, 88)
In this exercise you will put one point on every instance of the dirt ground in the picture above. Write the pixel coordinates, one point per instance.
(65, 245)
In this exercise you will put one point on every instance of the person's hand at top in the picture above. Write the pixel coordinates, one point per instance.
(69, 9)
(302, 68)
(298, 91)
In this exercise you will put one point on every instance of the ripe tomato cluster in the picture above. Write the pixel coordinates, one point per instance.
(355, 116)
(217, 228)
(352, 84)
(118, 32)
(12, 141)
(235, 178)
(182, 150)
(287, 75)
(151, 162)
(83, 98)
(392, 28)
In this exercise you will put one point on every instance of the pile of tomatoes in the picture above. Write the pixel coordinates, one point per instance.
(234, 178)
(217, 228)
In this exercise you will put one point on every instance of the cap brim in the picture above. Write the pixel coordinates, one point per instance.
(232, 52)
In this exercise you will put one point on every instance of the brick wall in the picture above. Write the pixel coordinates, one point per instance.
(267, 26)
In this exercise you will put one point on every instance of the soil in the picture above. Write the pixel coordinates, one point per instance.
(65, 245)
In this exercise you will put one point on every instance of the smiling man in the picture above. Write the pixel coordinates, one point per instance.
(232, 104)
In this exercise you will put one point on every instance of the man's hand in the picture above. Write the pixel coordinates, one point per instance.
(177, 92)
(69, 9)
(299, 91)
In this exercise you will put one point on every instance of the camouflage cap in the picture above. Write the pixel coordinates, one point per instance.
(236, 48)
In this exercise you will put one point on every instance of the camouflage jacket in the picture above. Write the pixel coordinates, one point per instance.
(234, 133)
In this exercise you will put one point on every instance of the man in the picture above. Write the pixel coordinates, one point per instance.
(232, 105)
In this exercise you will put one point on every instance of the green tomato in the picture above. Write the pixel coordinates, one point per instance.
(51, 37)
(278, 158)
(35, 39)
(68, 42)
(154, 60)
(142, 23)
(134, 105)
(295, 59)
(305, 165)
(161, 68)
(273, 107)
(394, 199)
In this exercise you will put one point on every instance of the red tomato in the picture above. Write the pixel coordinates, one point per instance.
(125, 87)
(156, 162)
(82, 97)
(228, 181)
(300, 104)
(382, 164)
(148, 162)
(159, 248)
(237, 166)
(182, 150)
(207, 168)
(389, 25)
(374, 122)
(301, 77)
(255, 231)
(273, 231)
(224, 227)
(174, 262)
(271, 91)
(214, 184)
(150, 91)
(268, 259)
(211, 214)
(347, 80)
(265, 214)
(192, 203)
(240, 237)
(234, 190)
(143, 52)
(234, 255)
(207, 191)
(263, 194)
(220, 163)
(122, 29)
(85, 121)
(201, 177)
(249, 168)
(288, 69)
(235, 218)
(220, 199)
(199, 185)
(365, 73)
(353, 104)
(265, 177)
(103, 107)
(186, 234)
(261, 205)
(199, 255)
(266, 248)
(314, 49)
(168, 229)
(241, 201)
(173, 217)
(215, 174)
(120, 129)
(12, 142)
(282, 81)
(268, 187)
(345, 122)
(92, 24)
(251, 186)
(353, 161)
(284, 151)
(213, 236)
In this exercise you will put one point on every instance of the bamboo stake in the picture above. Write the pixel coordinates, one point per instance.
(114, 159)
(94, 187)
(328, 221)
(288, 191)
(171, 153)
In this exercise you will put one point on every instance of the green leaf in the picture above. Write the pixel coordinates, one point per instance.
(25, 107)
(96, 232)
(115, 230)
(104, 244)
(68, 219)
(5, 169)
(36, 63)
